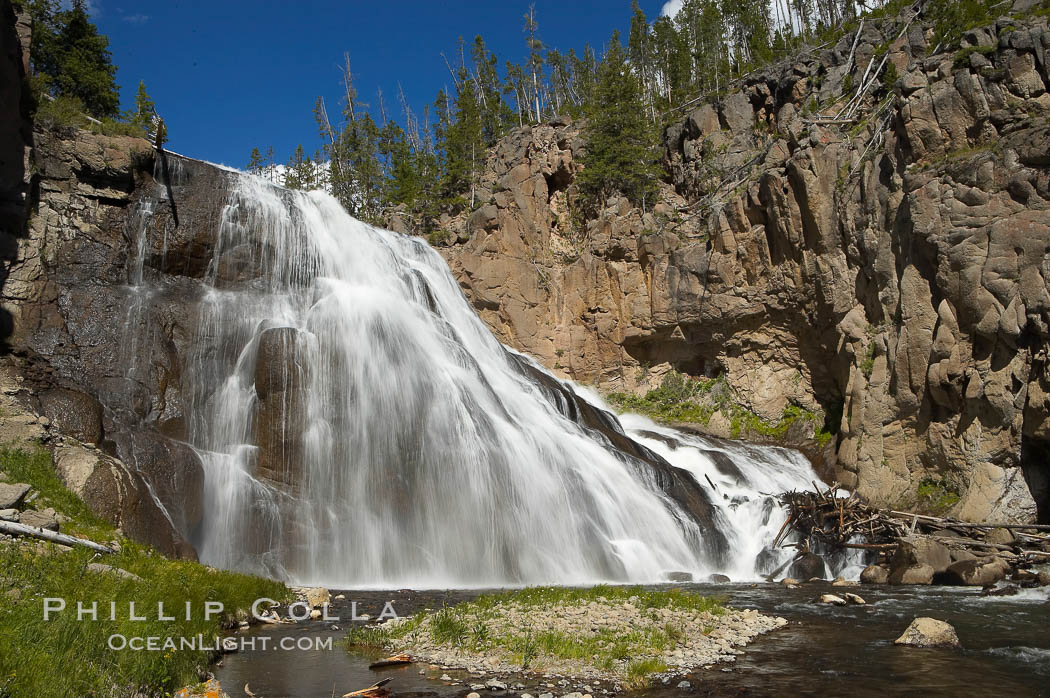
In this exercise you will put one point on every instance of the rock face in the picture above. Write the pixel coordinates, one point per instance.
(102, 360)
(890, 273)
(929, 632)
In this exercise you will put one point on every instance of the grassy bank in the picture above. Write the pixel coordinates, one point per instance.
(69, 657)
(619, 633)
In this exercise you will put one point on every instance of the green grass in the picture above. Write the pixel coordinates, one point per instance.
(35, 468)
(680, 398)
(478, 626)
(937, 496)
(67, 657)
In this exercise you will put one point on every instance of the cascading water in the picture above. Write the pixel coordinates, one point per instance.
(360, 426)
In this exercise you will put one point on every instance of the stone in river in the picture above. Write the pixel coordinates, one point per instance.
(929, 632)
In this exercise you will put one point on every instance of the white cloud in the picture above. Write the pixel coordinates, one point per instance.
(135, 19)
(671, 8)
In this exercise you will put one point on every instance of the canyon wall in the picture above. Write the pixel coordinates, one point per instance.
(890, 268)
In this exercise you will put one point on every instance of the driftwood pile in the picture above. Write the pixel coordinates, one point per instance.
(828, 520)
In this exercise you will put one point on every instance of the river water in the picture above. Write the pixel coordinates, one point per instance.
(823, 650)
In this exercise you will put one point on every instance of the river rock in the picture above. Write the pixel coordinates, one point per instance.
(832, 599)
(920, 550)
(317, 596)
(916, 574)
(929, 632)
(1008, 590)
(495, 685)
(473, 694)
(854, 599)
(808, 566)
(719, 579)
(679, 577)
(9, 514)
(976, 573)
(875, 574)
(789, 582)
(12, 496)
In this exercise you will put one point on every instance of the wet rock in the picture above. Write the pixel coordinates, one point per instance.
(832, 599)
(808, 566)
(929, 632)
(679, 577)
(978, 572)
(495, 685)
(13, 495)
(684, 685)
(789, 581)
(1008, 590)
(854, 599)
(719, 579)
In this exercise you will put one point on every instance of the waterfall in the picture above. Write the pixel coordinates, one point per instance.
(360, 426)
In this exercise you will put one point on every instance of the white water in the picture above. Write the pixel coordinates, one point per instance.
(416, 452)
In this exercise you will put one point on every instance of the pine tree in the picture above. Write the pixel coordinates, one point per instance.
(73, 58)
(145, 110)
(256, 163)
(296, 174)
(621, 142)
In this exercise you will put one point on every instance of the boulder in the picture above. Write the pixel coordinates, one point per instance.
(789, 581)
(929, 632)
(679, 577)
(317, 596)
(978, 572)
(999, 536)
(1008, 590)
(73, 413)
(875, 574)
(99, 568)
(808, 566)
(46, 519)
(832, 599)
(916, 574)
(920, 550)
(12, 496)
(9, 514)
(719, 579)
(854, 599)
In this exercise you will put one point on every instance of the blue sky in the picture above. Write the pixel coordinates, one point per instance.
(228, 75)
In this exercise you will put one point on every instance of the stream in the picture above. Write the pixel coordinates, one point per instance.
(824, 650)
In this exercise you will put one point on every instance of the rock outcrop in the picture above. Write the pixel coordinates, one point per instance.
(890, 272)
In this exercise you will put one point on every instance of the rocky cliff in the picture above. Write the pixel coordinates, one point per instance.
(889, 266)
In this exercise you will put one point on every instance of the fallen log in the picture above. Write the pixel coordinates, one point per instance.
(949, 523)
(17, 529)
(376, 690)
(396, 660)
